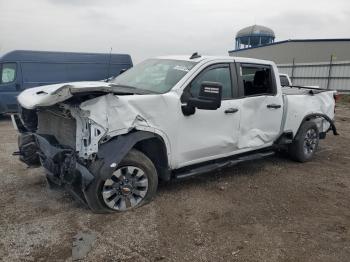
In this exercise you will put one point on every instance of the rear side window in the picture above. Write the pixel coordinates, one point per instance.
(8, 73)
(257, 80)
(219, 74)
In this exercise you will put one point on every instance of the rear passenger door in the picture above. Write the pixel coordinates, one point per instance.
(261, 106)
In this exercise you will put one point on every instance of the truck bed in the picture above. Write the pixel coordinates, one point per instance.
(301, 90)
(300, 102)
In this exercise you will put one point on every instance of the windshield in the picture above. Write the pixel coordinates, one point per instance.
(155, 75)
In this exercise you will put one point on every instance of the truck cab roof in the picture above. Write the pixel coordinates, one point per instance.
(218, 58)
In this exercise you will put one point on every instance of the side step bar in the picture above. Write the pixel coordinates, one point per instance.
(219, 165)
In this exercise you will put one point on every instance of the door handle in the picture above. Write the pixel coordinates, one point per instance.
(231, 110)
(274, 106)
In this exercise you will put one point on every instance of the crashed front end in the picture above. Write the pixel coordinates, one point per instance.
(62, 140)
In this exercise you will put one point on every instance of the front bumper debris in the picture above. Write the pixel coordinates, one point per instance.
(62, 167)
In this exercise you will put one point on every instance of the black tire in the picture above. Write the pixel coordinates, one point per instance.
(135, 159)
(305, 143)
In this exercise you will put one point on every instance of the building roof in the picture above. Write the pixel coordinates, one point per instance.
(255, 30)
(294, 41)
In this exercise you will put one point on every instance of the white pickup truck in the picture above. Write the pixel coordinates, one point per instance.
(285, 80)
(171, 117)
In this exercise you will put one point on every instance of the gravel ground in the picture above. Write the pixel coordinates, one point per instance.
(268, 210)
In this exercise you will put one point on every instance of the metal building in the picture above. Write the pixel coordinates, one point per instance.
(317, 62)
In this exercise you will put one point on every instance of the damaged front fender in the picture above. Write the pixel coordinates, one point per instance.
(122, 115)
(112, 152)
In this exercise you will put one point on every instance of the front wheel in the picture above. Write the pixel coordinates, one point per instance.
(305, 143)
(132, 184)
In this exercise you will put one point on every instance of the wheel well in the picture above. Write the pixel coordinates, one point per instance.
(308, 118)
(155, 149)
(311, 117)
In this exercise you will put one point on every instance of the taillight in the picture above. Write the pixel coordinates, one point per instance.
(336, 97)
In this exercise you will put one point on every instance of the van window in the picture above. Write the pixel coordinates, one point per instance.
(220, 74)
(257, 80)
(8, 73)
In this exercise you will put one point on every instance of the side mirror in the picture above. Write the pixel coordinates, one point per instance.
(209, 98)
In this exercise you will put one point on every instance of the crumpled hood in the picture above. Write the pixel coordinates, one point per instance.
(52, 94)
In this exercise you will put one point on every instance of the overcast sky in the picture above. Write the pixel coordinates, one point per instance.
(147, 28)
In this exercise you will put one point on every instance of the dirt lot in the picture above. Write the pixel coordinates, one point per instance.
(269, 210)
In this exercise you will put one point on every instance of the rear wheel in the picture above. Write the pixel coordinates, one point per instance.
(132, 184)
(306, 142)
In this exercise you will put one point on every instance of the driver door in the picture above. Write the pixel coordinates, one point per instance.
(210, 134)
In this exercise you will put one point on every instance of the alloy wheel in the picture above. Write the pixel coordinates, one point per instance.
(125, 189)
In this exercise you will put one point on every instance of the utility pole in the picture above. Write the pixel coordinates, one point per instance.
(330, 71)
(109, 64)
(293, 66)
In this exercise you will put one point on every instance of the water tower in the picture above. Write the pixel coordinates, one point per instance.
(253, 36)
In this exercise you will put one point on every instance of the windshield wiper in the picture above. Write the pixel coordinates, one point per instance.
(132, 89)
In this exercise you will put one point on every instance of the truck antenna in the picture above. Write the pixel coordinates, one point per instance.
(109, 64)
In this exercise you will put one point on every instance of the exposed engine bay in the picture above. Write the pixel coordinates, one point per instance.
(67, 125)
